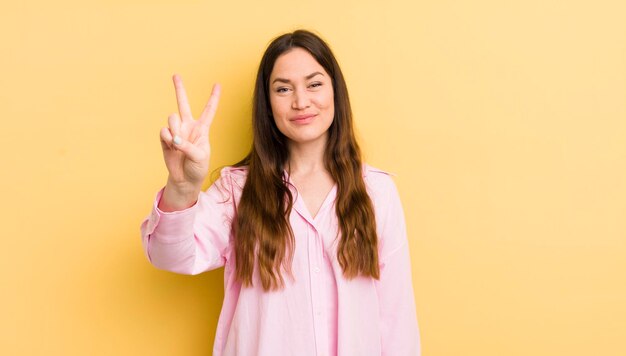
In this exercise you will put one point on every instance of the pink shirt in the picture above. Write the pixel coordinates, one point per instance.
(319, 313)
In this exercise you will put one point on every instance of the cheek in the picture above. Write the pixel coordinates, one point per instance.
(330, 99)
(329, 102)
(325, 100)
(278, 113)
(278, 106)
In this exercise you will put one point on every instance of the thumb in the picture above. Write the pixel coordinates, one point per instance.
(192, 152)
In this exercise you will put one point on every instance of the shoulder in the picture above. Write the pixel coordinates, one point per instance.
(230, 181)
(237, 172)
(378, 181)
(380, 186)
(369, 170)
(234, 174)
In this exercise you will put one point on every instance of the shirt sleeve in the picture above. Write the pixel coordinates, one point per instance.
(399, 328)
(195, 239)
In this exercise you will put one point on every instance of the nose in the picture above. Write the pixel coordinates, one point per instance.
(301, 100)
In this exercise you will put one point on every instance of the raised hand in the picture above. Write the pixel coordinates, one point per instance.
(186, 148)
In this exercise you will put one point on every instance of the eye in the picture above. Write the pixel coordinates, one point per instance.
(281, 90)
(316, 84)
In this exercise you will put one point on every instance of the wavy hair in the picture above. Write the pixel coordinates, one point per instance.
(261, 228)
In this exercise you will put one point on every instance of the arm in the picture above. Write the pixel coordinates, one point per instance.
(195, 239)
(399, 328)
(185, 232)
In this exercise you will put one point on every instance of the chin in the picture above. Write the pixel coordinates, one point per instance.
(300, 139)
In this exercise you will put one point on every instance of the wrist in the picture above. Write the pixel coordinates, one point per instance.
(176, 198)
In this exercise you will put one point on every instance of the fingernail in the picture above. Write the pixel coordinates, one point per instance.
(177, 140)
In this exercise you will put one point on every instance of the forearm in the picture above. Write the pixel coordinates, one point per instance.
(176, 197)
(177, 241)
(168, 238)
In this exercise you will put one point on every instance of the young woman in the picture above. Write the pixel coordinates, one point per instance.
(312, 240)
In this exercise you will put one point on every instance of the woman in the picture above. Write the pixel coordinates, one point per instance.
(313, 241)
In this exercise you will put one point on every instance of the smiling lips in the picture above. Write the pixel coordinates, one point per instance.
(303, 119)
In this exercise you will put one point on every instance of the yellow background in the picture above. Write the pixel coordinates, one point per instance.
(505, 122)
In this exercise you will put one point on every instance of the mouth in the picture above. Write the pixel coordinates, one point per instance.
(303, 119)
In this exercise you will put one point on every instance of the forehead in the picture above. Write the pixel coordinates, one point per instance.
(294, 64)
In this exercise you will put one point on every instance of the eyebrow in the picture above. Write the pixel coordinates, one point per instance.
(283, 80)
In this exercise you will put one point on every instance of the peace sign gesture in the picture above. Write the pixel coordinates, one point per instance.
(185, 142)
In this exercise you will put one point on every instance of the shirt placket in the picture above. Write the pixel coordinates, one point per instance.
(315, 250)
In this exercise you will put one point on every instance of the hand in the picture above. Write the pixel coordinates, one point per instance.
(185, 143)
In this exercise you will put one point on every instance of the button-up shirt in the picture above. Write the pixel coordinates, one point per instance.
(319, 312)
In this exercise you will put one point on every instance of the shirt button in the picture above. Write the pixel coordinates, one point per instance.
(317, 270)
(319, 312)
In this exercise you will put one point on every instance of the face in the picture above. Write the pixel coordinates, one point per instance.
(301, 95)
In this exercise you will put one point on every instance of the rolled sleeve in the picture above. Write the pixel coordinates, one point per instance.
(173, 226)
(195, 239)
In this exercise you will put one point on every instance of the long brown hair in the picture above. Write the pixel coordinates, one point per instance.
(262, 226)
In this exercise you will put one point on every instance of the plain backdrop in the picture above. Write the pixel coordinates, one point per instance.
(504, 121)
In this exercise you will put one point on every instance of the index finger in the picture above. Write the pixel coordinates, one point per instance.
(181, 98)
(211, 106)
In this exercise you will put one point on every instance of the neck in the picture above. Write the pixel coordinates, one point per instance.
(306, 158)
